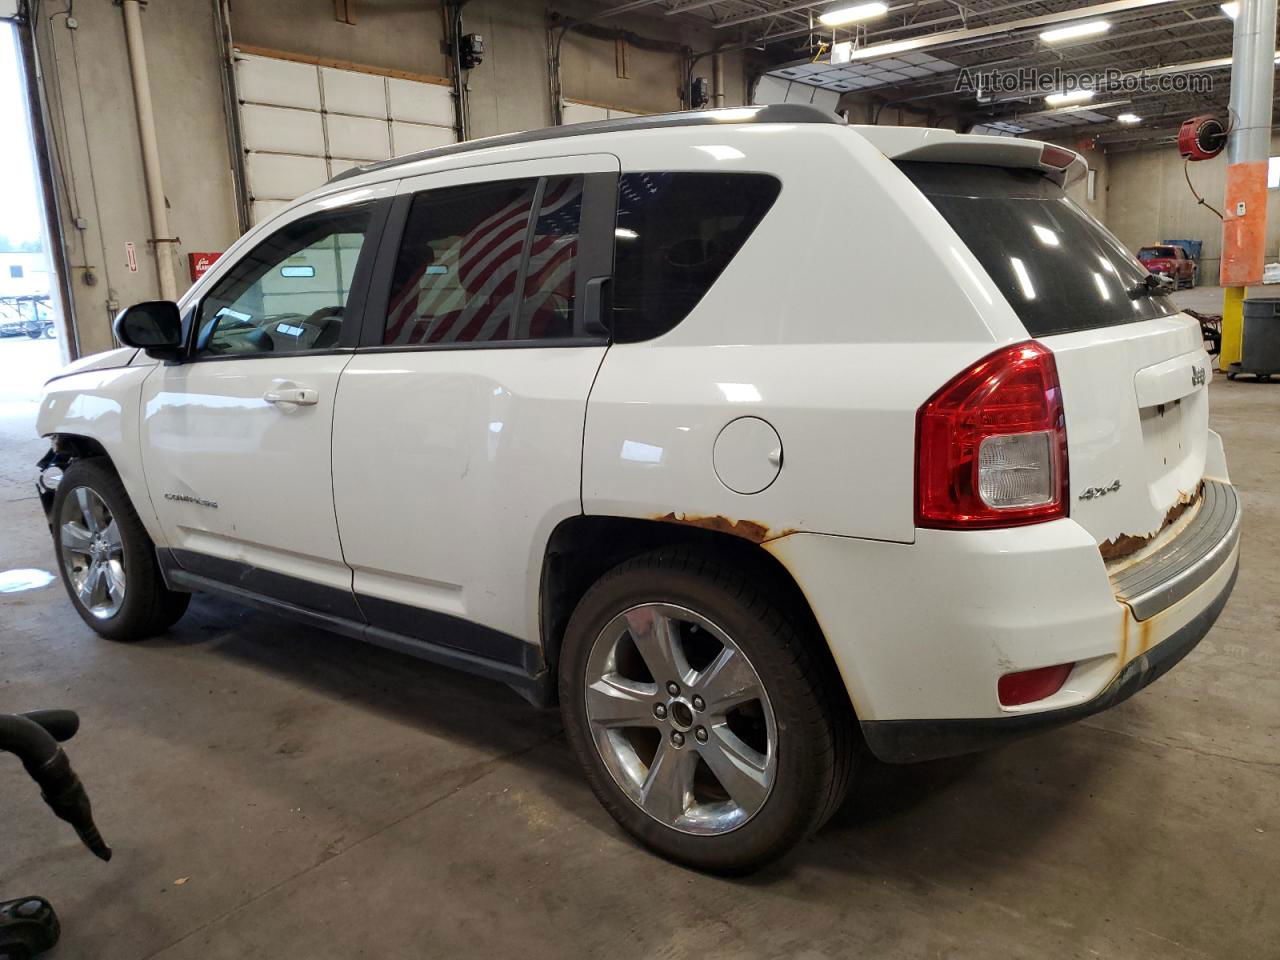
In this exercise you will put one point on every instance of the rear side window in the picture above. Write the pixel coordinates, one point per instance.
(456, 274)
(676, 233)
(547, 307)
(1060, 269)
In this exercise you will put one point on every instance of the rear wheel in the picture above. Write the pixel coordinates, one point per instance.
(107, 561)
(703, 719)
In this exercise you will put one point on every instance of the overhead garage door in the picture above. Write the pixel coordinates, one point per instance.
(301, 123)
(580, 111)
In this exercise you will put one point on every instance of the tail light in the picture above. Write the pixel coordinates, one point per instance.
(991, 445)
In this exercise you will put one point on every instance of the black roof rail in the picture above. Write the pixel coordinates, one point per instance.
(768, 113)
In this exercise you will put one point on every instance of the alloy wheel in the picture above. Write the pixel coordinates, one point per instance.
(681, 719)
(92, 553)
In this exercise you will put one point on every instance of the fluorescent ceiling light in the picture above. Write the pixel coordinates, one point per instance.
(882, 49)
(1232, 10)
(1129, 118)
(1075, 96)
(1076, 30)
(838, 16)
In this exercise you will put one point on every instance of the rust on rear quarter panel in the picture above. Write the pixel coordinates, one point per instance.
(747, 529)
(1128, 544)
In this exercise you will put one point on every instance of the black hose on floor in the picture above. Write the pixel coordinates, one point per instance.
(33, 739)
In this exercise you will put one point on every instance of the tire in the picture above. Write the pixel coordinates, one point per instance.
(34, 333)
(798, 735)
(127, 599)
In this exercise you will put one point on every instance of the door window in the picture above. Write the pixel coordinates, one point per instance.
(547, 307)
(477, 266)
(290, 293)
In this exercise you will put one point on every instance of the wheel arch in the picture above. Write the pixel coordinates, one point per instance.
(583, 548)
(64, 450)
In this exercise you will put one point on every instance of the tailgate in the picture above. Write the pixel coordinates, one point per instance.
(1136, 403)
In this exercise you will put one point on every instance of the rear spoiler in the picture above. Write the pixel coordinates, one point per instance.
(1061, 165)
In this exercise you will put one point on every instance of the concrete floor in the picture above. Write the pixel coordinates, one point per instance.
(273, 792)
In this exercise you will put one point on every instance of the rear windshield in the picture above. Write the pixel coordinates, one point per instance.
(1060, 269)
(1157, 253)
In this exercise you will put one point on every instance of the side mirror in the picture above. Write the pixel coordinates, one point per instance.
(154, 326)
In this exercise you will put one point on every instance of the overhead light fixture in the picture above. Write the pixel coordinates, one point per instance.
(882, 49)
(839, 16)
(1062, 99)
(1232, 10)
(1075, 31)
(1129, 118)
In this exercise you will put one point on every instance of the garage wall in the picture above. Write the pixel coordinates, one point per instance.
(394, 34)
(90, 96)
(1100, 163)
(1149, 201)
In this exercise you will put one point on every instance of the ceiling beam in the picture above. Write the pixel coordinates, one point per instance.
(1010, 26)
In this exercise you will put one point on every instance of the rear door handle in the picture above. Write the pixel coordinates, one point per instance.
(301, 396)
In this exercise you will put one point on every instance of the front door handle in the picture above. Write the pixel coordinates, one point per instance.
(301, 396)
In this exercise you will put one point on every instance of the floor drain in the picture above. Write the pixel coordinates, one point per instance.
(15, 581)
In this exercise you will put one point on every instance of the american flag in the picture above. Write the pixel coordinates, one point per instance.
(464, 291)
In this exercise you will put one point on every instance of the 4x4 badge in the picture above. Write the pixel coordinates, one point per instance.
(1197, 376)
(1089, 493)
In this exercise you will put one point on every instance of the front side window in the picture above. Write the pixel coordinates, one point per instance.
(290, 292)
(676, 233)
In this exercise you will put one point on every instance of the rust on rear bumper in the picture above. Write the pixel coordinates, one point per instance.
(1125, 545)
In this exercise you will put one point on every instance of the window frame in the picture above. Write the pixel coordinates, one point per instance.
(594, 258)
(353, 320)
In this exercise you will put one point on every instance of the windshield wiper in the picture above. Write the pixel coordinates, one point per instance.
(1151, 286)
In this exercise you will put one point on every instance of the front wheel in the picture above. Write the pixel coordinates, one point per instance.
(706, 723)
(107, 561)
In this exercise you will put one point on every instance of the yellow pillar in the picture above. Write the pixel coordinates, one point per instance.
(1232, 326)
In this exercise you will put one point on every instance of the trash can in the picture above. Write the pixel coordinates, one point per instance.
(1260, 353)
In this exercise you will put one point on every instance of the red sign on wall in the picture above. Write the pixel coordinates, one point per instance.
(200, 263)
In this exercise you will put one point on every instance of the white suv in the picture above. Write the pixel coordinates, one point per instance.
(747, 436)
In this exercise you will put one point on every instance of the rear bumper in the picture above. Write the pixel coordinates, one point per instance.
(909, 741)
(921, 633)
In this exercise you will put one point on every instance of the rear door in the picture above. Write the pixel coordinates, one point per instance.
(1133, 369)
(458, 432)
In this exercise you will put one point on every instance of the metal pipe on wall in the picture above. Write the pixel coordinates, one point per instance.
(717, 80)
(1244, 220)
(231, 109)
(161, 240)
(452, 13)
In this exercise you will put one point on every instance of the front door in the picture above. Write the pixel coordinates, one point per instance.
(479, 354)
(236, 441)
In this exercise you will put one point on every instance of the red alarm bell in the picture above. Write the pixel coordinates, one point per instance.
(1201, 138)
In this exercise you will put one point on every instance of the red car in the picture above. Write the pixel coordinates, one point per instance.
(1170, 261)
